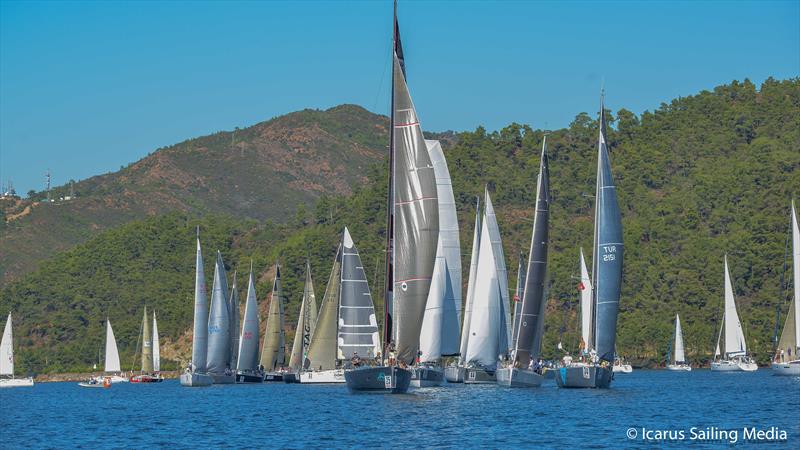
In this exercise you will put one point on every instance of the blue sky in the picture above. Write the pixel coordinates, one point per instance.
(86, 87)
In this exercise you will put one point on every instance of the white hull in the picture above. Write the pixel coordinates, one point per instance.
(16, 382)
(513, 377)
(790, 369)
(427, 377)
(194, 379)
(679, 367)
(623, 368)
(114, 378)
(91, 385)
(323, 377)
(733, 366)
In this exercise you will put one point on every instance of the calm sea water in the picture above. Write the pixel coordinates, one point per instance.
(63, 415)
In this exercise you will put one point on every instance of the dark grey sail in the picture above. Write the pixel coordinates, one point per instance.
(233, 306)
(358, 327)
(323, 349)
(533, 299)
(518, 292)
(219, 335)
(608, 252)
(248, 345)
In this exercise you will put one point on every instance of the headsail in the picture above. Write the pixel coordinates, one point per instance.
(358, 327)
(156, 346)
(490, 219)
(112, 354)
(585, 287)
(147, 344)
(789, 343)
(248, 344)
(608, 252)
(200, 331)
(233, 306)
(473, 274)
(486, 333)
(431, 334)
(680, 356)
(219, 334)
(273, 353)
(517, 300)
(734, 335)
(324, 347)
(306, 321)
(7, 350)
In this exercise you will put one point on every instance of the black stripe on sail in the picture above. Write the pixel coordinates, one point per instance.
(398, 44)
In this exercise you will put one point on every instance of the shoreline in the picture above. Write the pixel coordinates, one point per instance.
(77, 376)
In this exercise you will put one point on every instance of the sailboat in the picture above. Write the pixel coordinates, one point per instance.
(523, 368)
(734, 356)
(412, 237)
(787, 354)
(7, 379)
(439, 335)
(306, 321)
(519, 291)
(112, 370)
(149, 353)
(273, 352)
(679, 362)
(196, 374)
(218, 360)
(456, 372)
(607, 256)
(233, 307)
(247, 367)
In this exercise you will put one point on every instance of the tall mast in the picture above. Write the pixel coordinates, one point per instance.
(595, 249)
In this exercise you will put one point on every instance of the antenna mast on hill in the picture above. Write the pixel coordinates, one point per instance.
(47, 180)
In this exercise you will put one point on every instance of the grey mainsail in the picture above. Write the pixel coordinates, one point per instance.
(200, 331)
(219, 334)
(324, 347)
(233, 306)
(533, 300)
(608, 251)
(358, 327)
(473, 273)
(305, 323)
(156, 346)
(273, 353)
(518, 292)
(415, 229)
(147, 344)
(248, 344)
(502, 273)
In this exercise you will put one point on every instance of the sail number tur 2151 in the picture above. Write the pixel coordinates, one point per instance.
(609, 252)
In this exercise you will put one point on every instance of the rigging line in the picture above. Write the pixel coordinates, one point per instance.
(380, 85)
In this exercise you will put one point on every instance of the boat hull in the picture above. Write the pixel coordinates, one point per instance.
(139, 379)
(223, 378)
(248, 377)
(16, 382)
(733, 366)
(549, 373)
(114, 379)
(514, 377)
(378, 380)
(274, 376)
(790, 369)
(335, 376)
(454, 374)
(587, 376)
(427, 376)
(679, 368)
(196, 379)
(477, 375)
(86, 384)
(624, 368)
(291, 377)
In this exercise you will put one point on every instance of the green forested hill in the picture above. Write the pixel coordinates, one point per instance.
(699, 177)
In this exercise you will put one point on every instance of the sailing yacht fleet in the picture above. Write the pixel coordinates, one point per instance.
(426, 337)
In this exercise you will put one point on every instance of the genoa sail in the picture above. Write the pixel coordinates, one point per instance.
(112, 354)
(219, 334)
(248, 343)
(233, 306)
(486, 333)
(585, 287)
(517, 300)
(473, 274)
(305, 323)
(680, 354)
(273, 353)
(147, 344)
(358, 326)
(156, 346)
(734, 334)
(200, 330)
(490, 218)
(323, 350)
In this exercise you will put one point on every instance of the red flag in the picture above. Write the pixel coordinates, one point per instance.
(581, 286)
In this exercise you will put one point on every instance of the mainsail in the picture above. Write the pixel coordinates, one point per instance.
(473, 274)
(324, 347)
(608, 252)
(305, 323)
(273, 354)
(7, 350)
(789, 343)
(233, 306)
(219, 334)
(147, 344)
(486, 333)
(585, 287)
(517, 300)
(156, 346)
(534, 299)
(112, 354)
(415, 217)
(358, 327)
(734, 334)
(680, 355)
(200, 331)
(502, 273)
(248, 344)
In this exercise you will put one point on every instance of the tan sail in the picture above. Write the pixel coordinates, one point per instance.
(273, 353)
(306, 321)
(324, 347)
(147, 345)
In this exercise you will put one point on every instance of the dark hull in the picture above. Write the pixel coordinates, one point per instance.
(291, 378)
(146, 379)
(477, 375)
(222, 378)
(378, 380)
(274, 376)
(513, 377)
(584, 377)
(427, 376)
(249, 378)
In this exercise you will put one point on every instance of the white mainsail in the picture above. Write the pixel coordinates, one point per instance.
(431, 335)
(490, 219)
(200, 330)
(248, 344)
(112, 354)
(473, 273)
(486, 334)
(586, 306)
(156, 346)
(680, 356)
(7, 350)
(734, 335)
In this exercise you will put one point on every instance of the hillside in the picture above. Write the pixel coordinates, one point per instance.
(701, 176)
(260, 172)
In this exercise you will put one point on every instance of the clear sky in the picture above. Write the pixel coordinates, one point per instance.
(86, 87)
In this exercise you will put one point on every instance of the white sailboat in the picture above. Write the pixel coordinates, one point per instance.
(679, 362)
(247, 367)
(787, 354)
(196, 374)
(112, 370)
(734, 356)
(7, 379)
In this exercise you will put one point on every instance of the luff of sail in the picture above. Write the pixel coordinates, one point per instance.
(486, 333)
(490, 218)
(147, 344)
(324, 347)
(273, 354)
(112, 354)
(608, 252)
(200, 330)
(7, 349)
(358, 326)
(416, 220)
(219, 335)
(789, 342)
(586, 306)
(450, 250)
(156, 346)
(248, 344)
(473, 273)
(533, 299)
(233, 307)
(734, 334)
(680, 354)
